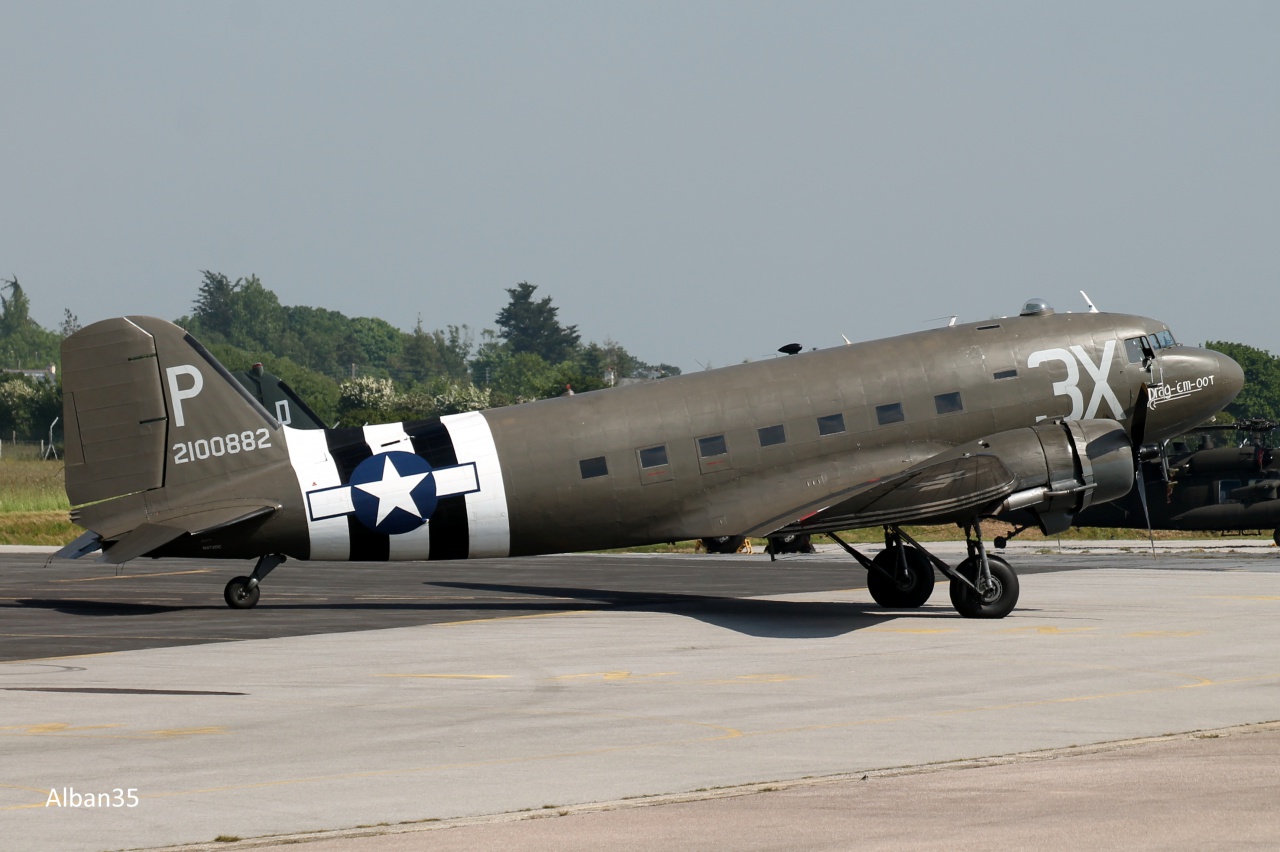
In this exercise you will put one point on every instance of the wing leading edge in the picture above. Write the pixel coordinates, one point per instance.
(1054, 468)
(935, 491)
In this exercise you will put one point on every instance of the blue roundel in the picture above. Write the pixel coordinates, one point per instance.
(393, 493)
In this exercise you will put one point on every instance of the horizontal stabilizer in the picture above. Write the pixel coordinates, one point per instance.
(84, 544)
(140, 541)
(150, 536)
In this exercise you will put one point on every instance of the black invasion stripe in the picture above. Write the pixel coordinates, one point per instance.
(431, 440)
(367, 545)
(348, 448)
(450, 535)
(449, 532)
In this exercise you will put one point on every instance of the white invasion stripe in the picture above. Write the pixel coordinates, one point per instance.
(391, 438)
(331, 502)
(387, 438)
(487, 522)
(316, 469)
(456, 480)
(411, 546)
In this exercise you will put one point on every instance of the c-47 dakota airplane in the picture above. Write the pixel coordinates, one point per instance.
(167, 455)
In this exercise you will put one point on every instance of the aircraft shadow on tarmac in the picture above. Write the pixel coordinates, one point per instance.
(69, 606)
(770, 619)
(99, 608)
(746, 615)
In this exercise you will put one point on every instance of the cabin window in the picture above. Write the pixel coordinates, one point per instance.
(832, 424)
(772, 435)
(591, 468)
(948, 403)
(1133, 350)
(891, 413)
(653, 456)
(1225, 487)
(712, 446)
(1005, 374)
(1166, 338)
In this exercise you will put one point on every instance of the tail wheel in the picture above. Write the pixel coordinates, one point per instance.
(240, 595)
(996, 601)
(891, 589)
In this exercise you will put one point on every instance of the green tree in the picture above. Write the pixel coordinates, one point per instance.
(455, 347)
(419, 358)
(27, 407)
(529, 326)
(257, 320)
(70, 323)
(14, 310)
(381, 341)
(524, 377)
(1261, 394)
(23, 343)
(214, 312)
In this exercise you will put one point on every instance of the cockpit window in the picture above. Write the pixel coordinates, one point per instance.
(1133, 346)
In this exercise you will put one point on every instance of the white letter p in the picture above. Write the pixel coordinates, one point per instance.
(177, 395)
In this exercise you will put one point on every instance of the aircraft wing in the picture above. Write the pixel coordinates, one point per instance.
(931, 492)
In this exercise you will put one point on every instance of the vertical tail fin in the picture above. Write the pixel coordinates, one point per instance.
(145, 406)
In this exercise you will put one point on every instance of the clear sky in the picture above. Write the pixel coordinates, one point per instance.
(700, 181)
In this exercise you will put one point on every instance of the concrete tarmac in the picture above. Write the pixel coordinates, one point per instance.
(603, 679)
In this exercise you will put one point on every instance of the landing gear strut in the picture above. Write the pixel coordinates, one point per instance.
(243, 592)
(901, 576)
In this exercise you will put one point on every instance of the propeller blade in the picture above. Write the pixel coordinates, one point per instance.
(1138, 426)
(1142, 495)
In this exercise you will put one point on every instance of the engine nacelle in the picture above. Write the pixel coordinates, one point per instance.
(1063, 467)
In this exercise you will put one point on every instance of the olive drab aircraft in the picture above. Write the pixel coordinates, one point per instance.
(167, 455)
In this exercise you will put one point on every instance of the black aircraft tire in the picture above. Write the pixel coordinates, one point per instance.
(238, 595)
(886, 592)
(723, 543)
(790, 543)
(1275, 536)
(996, 604)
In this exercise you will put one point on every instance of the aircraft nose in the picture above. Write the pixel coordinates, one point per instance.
(1196, 384)
(1229, 378)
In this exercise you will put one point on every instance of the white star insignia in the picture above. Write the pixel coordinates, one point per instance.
(394, 491)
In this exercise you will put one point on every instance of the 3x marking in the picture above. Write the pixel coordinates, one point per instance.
(1073, 359)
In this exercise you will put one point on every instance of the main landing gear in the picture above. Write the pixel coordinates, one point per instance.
(901, 576)
(243, 592)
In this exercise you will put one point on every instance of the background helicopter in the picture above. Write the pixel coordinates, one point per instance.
(1223, 478)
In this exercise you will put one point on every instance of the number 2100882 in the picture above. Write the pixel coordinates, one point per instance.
(219, 445)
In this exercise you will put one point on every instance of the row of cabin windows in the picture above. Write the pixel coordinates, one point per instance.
(770, 436)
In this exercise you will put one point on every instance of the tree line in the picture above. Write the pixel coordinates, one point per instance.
(350, 370)
(353, 370)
